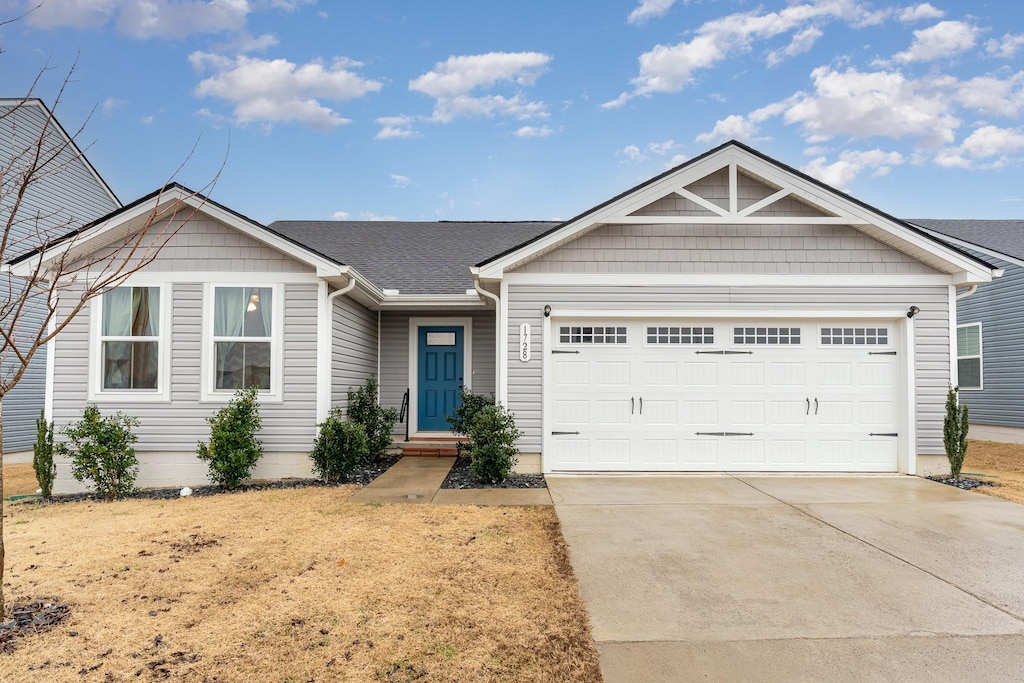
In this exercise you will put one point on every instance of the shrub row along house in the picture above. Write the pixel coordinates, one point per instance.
(730, 314)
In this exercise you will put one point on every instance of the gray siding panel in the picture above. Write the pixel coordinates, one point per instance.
(65, 197)
(998, 306)
(818, 249)
(353, 348)
(394, 354)
(931, 345)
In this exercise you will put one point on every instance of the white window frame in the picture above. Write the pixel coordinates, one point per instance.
(980, 356)
(208, 391)
(162, 393)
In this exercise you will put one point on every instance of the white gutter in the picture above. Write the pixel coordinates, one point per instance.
(497, 325)
(970, 290)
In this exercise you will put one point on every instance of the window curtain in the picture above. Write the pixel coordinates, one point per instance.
(266, 309)
(146, 313)
(117, 312)
(229, 311)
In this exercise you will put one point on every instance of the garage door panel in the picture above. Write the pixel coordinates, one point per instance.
(644, 404)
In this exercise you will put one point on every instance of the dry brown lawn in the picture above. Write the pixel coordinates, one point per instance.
(19, 479)
(296, 585)
(1000, 463)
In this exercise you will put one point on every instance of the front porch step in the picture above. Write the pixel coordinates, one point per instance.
(426, 449)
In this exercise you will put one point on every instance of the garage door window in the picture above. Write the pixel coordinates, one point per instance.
(674, 334)
(591, 334)
(766, 336)
(854, 336)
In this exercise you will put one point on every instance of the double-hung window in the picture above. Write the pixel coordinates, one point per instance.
(968, 356)
(243, 346)
(130, 341)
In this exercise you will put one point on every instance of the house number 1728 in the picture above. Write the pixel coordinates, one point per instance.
(524, 342)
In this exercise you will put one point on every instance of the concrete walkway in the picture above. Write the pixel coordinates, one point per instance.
(796, 578)
(418, 480)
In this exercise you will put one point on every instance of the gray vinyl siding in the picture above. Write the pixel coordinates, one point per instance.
(999, 307)
(784, 249)
(394, 354)
(353, 348)
(288, 425)
(68, 196)
(203, 244)
(931, 344)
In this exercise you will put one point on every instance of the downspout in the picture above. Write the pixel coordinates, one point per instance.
(349, 286)
(497, 328)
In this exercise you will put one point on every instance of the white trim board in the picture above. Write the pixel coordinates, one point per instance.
(467, 364)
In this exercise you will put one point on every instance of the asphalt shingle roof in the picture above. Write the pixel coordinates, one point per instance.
(412, 257)
(1006, 236)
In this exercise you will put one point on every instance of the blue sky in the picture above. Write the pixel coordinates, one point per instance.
(500, 110)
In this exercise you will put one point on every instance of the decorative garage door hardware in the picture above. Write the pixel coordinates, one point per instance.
(726, 353)
(809, 406)
(563, 433)
(725, 433)
(632, 405)
(561, 351)
(881, 353)
(883, 434)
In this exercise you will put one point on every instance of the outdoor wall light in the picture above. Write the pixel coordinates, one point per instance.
(914, 310)
(547, 311)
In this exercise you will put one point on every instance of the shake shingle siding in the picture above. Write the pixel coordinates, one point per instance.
(67, 196)
(526, 302)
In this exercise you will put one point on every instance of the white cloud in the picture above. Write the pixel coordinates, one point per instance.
(340, 216)
(670, 68)
(144, 18)
(733, 127)
(920, 12)
(399, 180)
(866, 104)
(451, 83)
(393, 127)
(648, 9)
(944, 39)
(676, 161)
(632, 153)
(146, 120)
(534, 132)
(270, 91)
(1005, 47)
(991, 141)
(371, 216)
(801, 42)
(112, 103)
(850, 164)
(662, 148)
(991, 95)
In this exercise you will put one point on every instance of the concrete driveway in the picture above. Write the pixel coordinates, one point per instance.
(796, 578)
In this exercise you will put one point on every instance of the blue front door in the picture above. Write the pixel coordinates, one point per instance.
(440, 375)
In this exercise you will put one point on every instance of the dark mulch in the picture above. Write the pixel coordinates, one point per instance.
(362, 477)
(965, 483)
(31, 617)
(461, 477)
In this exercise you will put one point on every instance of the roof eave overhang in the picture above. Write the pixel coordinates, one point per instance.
(428, 301)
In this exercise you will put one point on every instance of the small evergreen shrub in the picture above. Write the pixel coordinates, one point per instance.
(377, 422)
(492, 449)
(340, 448)
(233, 449)
(42, 455)
(954, 432)
(469, 405)
(101, 451)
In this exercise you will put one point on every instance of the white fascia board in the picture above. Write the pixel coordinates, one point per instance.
(344, 274)
(808, 280)
(432, 301)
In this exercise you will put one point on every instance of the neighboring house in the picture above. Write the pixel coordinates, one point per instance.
(990, 322)
(731, 314)
(67, 193)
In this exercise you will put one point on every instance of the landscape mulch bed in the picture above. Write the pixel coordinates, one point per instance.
(30, 617)
(461, 477)
(965, 483)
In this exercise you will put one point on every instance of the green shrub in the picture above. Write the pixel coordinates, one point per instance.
(42, 455)
(954, 431)
(469, 405)
(340, 448)
(492, 448)
(233, 449)
(101, 451)
(376, 421)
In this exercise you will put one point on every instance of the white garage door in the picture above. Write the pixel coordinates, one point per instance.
(724, 396)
